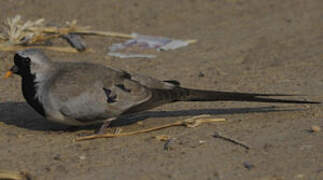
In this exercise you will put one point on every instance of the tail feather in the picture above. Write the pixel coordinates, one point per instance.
(163, 96)
(201, 95)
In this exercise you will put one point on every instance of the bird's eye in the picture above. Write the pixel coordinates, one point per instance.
(27, 60)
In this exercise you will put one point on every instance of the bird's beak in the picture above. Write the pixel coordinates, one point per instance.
(14, 69)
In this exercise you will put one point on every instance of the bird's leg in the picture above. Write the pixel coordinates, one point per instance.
(105, 125)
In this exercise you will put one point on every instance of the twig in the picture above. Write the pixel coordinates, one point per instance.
(217, 135)
(14, 175)
(192, 41)
(52, 48)
(163, 137)
(191, 122)
(103, 33)
(21, 35)
(81, 31)
(114, 34)
(109, 135)
(86, 31)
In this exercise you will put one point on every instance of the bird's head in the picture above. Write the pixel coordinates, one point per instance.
(29, 62)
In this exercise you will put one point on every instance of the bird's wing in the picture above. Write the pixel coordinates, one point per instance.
(154, 83)
(88, 92)
(131, 93)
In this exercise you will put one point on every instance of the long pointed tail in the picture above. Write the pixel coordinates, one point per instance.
(162, 96)
(184, 94)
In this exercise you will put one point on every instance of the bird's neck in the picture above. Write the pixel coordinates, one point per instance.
(29, 90)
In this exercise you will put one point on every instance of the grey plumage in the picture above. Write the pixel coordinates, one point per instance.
(84, 93)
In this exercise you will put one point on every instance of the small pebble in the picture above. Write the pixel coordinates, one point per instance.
(82, 157)
(201, 75)
(47, 169)
(300, 176)
(315, 128)
(248, 165)
(57, 157)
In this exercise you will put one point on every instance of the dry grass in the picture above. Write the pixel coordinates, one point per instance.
(190, 122)
(14, 175)
(17, 34)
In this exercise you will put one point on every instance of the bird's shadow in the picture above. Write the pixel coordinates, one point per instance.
(21, 115)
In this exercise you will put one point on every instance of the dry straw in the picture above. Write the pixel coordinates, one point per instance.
(190, 122)
(17, 34)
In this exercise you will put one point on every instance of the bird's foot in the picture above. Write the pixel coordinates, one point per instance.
(104, 126)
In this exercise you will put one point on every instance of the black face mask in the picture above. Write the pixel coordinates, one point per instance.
(22, 65)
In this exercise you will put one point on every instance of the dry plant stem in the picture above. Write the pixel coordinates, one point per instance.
(218, 135)
(59, 49)
(13, 175)
(19, 33)
(108, 135)
(64, 31)
(43, 38)
(192, 41)
(81, 31)
(85, 31)
(112, 34)
(179, 123)
(52, 48)
(104, 33)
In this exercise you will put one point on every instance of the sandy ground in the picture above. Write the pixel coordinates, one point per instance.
(250, 46)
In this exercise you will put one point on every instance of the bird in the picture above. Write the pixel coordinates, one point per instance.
(80, 93)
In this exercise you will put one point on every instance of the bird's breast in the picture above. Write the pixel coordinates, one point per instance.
(29, 91)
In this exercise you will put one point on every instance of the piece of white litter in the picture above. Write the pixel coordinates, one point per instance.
(133, 47)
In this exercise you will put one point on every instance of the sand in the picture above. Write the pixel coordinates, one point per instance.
(246, 46)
